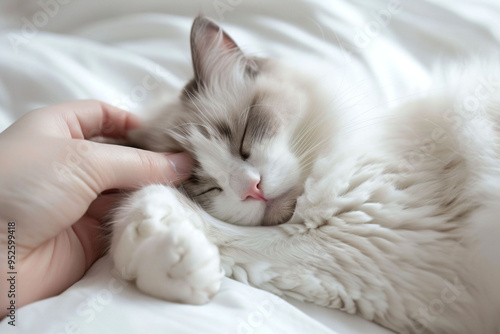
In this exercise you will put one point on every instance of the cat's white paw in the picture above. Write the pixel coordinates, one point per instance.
(157, 241)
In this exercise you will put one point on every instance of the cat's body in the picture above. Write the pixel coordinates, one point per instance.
(393, 214)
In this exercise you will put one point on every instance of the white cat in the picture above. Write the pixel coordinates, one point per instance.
(392, 215)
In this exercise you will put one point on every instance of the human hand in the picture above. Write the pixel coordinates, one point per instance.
(51, 178)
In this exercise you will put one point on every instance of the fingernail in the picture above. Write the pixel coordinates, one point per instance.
(181, 162)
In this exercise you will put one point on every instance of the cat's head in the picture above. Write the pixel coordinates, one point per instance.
(242, 119)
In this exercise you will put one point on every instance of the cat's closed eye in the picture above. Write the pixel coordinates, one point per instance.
(243, 153)
(213, 189)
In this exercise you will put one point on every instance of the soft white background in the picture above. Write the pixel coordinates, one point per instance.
(114, 50)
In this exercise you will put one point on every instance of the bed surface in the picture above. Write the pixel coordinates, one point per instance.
(104, 49)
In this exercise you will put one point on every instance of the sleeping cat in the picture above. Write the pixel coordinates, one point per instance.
(389, 214)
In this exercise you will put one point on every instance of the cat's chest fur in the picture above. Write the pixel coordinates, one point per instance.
(402, 212)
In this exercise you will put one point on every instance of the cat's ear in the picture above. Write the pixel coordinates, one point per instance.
(215, 53)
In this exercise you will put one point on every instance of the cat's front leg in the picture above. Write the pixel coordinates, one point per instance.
(158, 242)
(305, 264)
(274, 259)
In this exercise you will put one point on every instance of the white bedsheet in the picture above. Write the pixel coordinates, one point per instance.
(129, 53)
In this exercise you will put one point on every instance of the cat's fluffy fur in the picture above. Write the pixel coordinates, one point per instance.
(395, 212)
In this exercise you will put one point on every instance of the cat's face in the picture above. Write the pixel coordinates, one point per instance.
(253, 126)
(238, 123)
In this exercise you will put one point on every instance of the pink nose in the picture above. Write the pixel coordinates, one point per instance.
(255, 192)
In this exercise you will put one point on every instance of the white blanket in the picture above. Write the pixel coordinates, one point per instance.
(129, 53)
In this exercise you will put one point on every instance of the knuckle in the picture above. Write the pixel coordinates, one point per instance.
(148, 162)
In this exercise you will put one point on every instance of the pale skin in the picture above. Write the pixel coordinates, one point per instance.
(51, 183)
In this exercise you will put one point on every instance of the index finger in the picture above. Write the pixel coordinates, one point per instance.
(86, 119)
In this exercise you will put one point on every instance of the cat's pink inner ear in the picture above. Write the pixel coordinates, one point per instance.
(212, 31)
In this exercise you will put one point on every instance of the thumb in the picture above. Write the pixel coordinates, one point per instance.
(121, 167)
